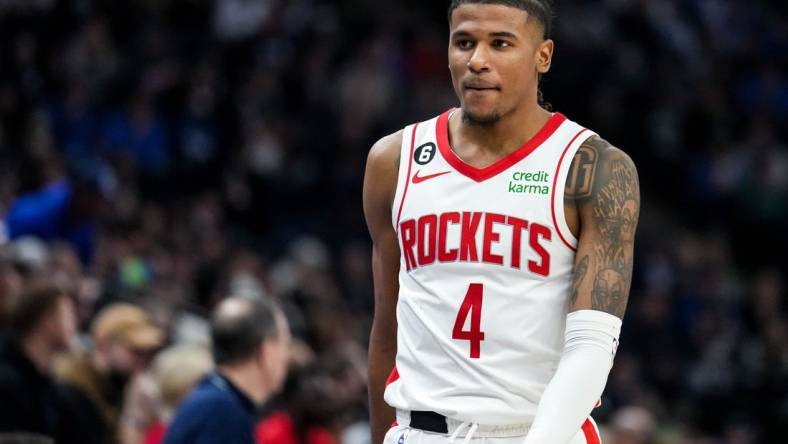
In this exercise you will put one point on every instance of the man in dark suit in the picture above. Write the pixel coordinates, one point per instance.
(250, 346)
(42, 325)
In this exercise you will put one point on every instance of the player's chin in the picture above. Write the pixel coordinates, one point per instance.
(477, 115)
(480, 103)
(487, 98)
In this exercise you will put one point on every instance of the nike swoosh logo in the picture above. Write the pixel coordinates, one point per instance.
(420, 179)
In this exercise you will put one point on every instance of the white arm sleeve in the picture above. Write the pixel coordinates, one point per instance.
(591, 343)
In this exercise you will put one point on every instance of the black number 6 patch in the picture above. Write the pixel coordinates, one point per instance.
(425, 153)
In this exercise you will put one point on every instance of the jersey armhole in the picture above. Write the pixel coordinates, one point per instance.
(403, 176)
(559, 187)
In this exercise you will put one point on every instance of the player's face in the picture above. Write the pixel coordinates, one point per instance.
(496, 54)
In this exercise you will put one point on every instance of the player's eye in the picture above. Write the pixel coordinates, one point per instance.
(498, 43)
(464, 44)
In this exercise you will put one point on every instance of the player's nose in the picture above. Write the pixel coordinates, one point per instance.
(479, 60)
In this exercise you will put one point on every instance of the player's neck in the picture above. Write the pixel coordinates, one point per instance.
(503, 137)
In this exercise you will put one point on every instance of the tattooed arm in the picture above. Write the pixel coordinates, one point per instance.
(603, 187)
(602, 202)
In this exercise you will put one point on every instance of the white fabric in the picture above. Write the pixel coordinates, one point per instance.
(404, 435)
(455, 427)
(468, 436)
(523, 313)
(591, 343)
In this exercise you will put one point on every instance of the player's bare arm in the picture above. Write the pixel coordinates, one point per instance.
(603, 187)
(380, 182)
(602, 202)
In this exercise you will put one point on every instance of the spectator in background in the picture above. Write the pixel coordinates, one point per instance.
(42, 325)
(174, 372)
(633, 425)
(51, 205)
(124, 338)
(139, 135)
(10, 287)
(75, 128)
(251, 338)
(42, 205)
(310, 408)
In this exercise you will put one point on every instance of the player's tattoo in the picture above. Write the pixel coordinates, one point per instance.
(581, 269)
(614, 199)
(581, 172)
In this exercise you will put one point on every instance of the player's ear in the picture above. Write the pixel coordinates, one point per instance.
(544, 56)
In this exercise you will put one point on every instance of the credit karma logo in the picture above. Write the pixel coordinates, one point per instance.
(530, 182)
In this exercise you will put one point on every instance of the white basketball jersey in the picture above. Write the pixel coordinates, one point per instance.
(485, 274)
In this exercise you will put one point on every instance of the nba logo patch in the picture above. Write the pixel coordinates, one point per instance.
(401, 439)
(615, 347)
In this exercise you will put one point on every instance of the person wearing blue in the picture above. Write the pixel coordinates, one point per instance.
(250, 346)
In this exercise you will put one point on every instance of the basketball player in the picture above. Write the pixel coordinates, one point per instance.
(503, 247)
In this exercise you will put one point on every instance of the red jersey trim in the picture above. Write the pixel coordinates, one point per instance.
(592, 436)
(393, 376)
(482, 174)
(555, 184)
(407, 179)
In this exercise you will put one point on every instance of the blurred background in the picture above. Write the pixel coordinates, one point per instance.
(168, 153)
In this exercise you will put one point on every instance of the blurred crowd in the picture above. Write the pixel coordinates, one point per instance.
(161, 155)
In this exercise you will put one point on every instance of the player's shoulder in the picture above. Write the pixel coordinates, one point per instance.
(600, 153)
(597, 161)
(382, 171)
(386, 151)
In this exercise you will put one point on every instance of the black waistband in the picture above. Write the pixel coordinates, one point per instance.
(429, 422)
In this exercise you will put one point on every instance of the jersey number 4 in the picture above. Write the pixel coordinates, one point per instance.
(471, 304)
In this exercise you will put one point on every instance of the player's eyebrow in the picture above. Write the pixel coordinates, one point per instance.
(497, 34)
(460, 33)
(504, 34)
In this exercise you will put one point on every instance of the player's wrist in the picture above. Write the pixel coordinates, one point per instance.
(591, 340)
